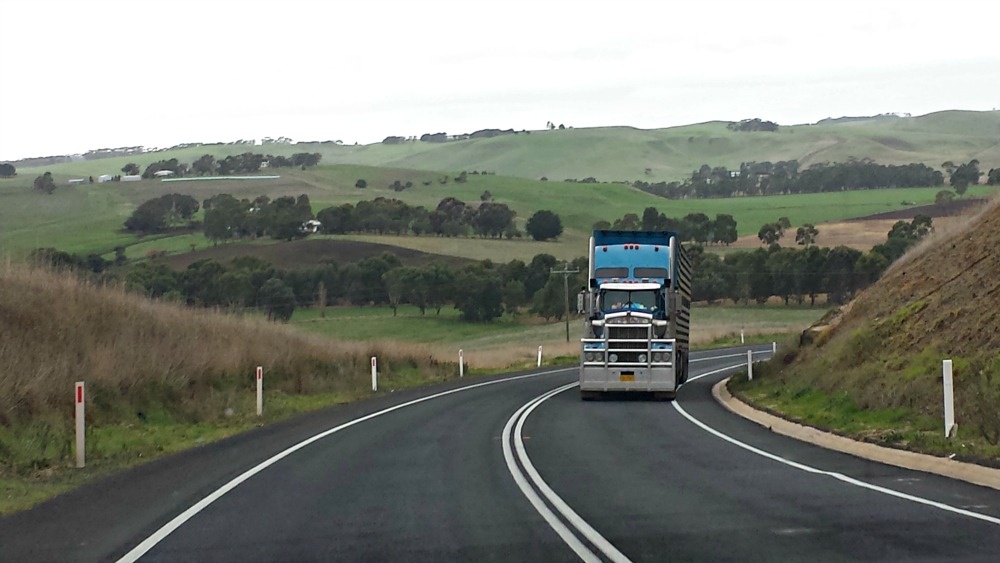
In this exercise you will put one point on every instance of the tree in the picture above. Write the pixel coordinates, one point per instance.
(513, 297)
(396, 282)
(305, 159)
(7, 170)
(869, 268)
(492, 219)
(548, 301)
(204, 165)
(806, 234)
(839, 273)
(278, 300)
(698, 227)
(769, 234)
(361, 184)
(944, 197)
(993, 178)
(481, 298)
(130, 169)
(44, 183)
(225, 217)
(162, 212)
(544, 225)
(963, 175)
(725, 229)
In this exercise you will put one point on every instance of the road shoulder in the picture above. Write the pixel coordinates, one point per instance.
(951, 468)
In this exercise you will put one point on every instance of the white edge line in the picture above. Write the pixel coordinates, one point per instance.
(839, 476)
(159, 535)
(592, 535)
(553, 521)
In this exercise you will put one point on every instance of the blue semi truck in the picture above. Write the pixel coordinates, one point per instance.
(638, 308)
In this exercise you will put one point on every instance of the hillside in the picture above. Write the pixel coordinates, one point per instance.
(624, 153)
(941, 301)
(89, 218)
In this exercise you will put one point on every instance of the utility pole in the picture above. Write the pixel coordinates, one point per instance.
(566, 272)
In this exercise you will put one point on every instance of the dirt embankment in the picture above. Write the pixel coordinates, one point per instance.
(941, 301)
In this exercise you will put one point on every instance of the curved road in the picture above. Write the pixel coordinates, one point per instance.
(436, 478)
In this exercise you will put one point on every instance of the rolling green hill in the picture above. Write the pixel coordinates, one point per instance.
(624, 153)
(87, 218)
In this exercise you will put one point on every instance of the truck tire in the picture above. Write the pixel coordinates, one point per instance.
(664, 395)
(590, 395)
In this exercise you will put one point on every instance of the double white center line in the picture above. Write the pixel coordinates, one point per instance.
(515, 454)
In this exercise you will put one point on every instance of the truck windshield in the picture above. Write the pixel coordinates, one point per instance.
(619, 300)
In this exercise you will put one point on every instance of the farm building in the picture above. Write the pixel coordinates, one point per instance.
(131, 178)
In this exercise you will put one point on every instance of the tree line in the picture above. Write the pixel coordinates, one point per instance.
(485, 290)
(228, 218)
(693, 227)
(797, 274)
(785, 177)
(208, 165)
(481, 291)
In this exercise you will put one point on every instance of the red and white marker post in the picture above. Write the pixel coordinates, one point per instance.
(81, 446)
(461, 363)
(260, 391)
(374, 374)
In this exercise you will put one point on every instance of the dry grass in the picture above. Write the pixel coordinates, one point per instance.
(940, 301)
(141, 356)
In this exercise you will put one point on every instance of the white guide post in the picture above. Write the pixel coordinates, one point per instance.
(461, 363)
(81, 447)
(260, 390)
(774, 348)
(750, 365)
(949, 400)
(742, 340)
(539, 356)
(374, 374)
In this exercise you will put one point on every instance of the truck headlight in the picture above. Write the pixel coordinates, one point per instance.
(613, 358)
(642, 358)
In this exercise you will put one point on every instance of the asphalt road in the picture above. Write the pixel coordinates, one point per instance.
(432, 480)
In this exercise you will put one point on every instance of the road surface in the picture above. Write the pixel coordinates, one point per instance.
(511, 468)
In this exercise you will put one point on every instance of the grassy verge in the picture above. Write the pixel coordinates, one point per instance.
(837, 412)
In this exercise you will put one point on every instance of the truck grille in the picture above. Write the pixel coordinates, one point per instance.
(627, 332)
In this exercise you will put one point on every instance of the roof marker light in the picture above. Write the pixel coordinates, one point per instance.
(656, 249)
(604, 248)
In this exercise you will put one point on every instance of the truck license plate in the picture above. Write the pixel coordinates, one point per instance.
(628, 376)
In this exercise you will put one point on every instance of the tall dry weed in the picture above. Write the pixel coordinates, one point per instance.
(135, 353)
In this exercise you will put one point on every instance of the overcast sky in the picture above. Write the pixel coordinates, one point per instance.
(79, 75)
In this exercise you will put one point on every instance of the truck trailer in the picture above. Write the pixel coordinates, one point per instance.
(638, 307)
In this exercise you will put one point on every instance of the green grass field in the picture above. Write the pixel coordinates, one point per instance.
(89, 218)
(493, 343)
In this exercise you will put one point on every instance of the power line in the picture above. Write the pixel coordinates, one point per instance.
(566, 272)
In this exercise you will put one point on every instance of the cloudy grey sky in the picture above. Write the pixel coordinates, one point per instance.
(78, 75)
